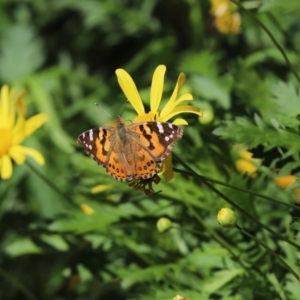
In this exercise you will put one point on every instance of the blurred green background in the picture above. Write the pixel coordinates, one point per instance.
(65, 53)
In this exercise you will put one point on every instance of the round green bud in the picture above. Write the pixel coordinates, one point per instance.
(207, 116)
(227, 218)
(163, 224)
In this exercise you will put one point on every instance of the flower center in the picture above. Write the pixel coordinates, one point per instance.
(6, 138)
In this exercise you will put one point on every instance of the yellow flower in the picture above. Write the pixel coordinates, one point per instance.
(246, 163)
(87, 209)
(246, 166)
(14, 129)
(226, 19)
(285, 180)
(171, 109)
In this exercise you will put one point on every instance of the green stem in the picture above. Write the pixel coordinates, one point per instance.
(263, 244)
(239, 189)
(216, 237)
(53, 186)
(233, 204)
(20, 286)
(196, 232)
(268, 32)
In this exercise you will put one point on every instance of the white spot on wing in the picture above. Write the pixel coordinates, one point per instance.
(91, 135)
(160, 127)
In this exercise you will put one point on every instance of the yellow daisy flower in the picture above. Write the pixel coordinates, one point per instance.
(226, 19)
(171, 109)
(14, 129)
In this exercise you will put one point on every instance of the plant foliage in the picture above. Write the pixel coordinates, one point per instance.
(70, 231)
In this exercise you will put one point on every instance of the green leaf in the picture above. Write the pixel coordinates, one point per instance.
(213, 89)
(284, 6)
(220, 278)
(80, 222)
(262, 56)
(296, 224)
(244, 131)
(245, 79)
(133, 276)
(45, 103)
(22, 246)
(56, 241)
(21, 52)
(286, 108)
(292, 286)
(204, 61)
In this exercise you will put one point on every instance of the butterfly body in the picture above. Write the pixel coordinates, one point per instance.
(131, 152)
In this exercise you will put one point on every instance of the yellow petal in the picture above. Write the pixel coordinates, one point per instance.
(17, 154)
(6, 168)
(245, 166)
(246, 154)
(37, 156)
(87, 209)
(168, 174)
(20, 103)
(4, 106)
(184, 97)
(157, 86)
(129, 89)
(180, 122)
(19, 130)
(170, 105)
(167, 170)
(35, 122)
(100, 188)
(149, 117)
(182, 109)
(285, 180)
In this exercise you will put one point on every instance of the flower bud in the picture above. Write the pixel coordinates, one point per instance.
(178, 297)
(163, 224)
(100, 188)
(207, 116)
(245, 166)
(285, 181)
(227, 218)
(86, 209)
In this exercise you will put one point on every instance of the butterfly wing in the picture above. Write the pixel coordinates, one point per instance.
(152, 142)
(104, 145)
(118, 166)
(158, 138)
(98, 142)
(131, 152)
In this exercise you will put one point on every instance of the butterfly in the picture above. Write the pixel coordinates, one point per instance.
(130, 152)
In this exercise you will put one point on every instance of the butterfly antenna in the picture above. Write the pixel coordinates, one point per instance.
(100, 107)
(124, 106)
